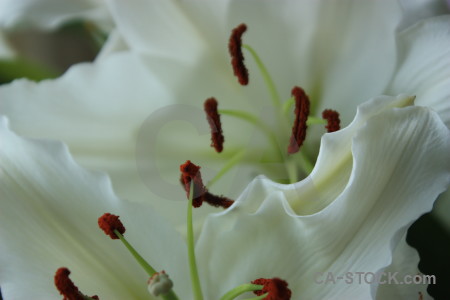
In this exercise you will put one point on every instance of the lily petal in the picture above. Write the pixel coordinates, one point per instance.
(405, 261)
(48, 219)
(424, 65)
(174, 35)
(354, 232)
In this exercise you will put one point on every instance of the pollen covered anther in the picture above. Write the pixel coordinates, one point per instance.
(332, 117)
(191, 172)
(217, 201)
(237, 58)
(276, 288)
(67, 288)
(213, 117)
(109, 223)
(301, 116)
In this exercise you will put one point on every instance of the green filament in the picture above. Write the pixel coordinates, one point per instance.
(266, 76)
(239, 290)
(195, 280)
(144, 264)
(234, 160)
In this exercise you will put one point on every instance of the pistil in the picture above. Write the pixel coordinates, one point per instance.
(195, 279)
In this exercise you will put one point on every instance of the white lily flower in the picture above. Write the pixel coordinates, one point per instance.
(100, 116)
(349, 215)
(98, 110)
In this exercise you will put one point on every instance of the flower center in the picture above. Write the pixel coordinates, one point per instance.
(296, 166)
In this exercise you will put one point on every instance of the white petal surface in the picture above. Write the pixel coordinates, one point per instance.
(323, 46)
(157, 27)
(302, 42)
(424, 65)
(416, 10)
(48, 219)
(50, 14)
(405, 261)
(383, 195)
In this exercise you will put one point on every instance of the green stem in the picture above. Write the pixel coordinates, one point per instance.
(195, 280)
(291, 168)
(234, 160)
(259, 297)
(266, 76)
(306, 165)
(287, 106)
(170, 296)
(313, 121)
(257, 123)
(145, 265)
(239, 290)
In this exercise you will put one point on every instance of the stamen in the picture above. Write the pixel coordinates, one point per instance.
(241, 289)
(159, 284)
(113, 227)
(190, 174)
(217, 201)
(67, 288)
(109, 223)
(276, 288)
(333, 120)
(213, 118)
(237, 58)
(195, 279)
(301, 116)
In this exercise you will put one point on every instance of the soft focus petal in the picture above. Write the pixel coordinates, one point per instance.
(114, 43)
(353, 233)
(405, 261)
(424, 65)
(48, 219)
(157, 27)
(442, 209)
(50, 14)
(312, 42)
(415, 10)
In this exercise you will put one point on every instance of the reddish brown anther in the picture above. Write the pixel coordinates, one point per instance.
(191, 173)
(276, 288)
(213, 117)
(237, 58)
(332, 117)
(67, 288)
(301, 116)
(108, 223)
(217, 201)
